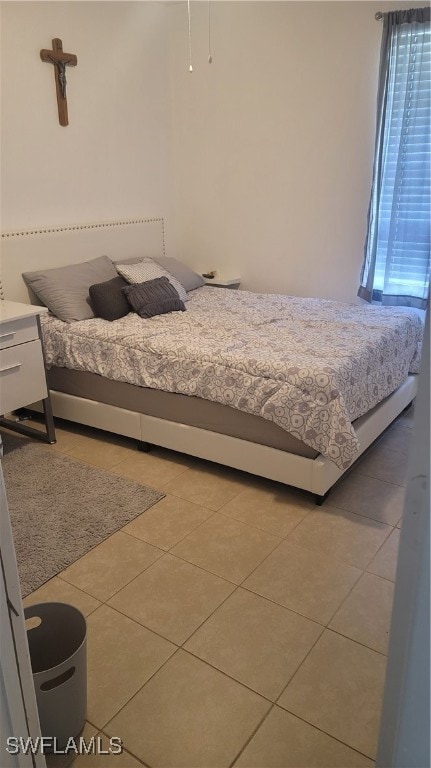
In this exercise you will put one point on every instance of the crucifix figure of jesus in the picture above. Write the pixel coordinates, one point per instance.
(60, 60)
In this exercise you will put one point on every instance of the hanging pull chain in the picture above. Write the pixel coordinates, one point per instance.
(190, 36)
(210, 58)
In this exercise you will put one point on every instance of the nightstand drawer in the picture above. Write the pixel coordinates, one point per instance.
(22, 376)
(14, 332)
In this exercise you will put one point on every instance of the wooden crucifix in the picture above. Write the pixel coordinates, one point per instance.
(60, 60)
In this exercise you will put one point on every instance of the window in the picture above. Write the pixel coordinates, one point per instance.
(397, 258)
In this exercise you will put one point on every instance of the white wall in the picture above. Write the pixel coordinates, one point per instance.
(265, 155)
(114, 159)
(274, 141)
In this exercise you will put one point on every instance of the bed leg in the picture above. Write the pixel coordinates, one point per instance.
(321, 499)
(143, 446)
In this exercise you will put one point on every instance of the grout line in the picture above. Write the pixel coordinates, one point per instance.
(303, 720)
(252, 735)
(183, 498)
(354, 640)
(143, 626)
(159, 488)
(282, 605)
(345, 598)
(92, 724)
(105, 725)
(126, 584)
(135, 693)
(225, 578)
(276, 703)
(263, 530)
(379, 549)
(326, 733)
(156, 632)
(261, 563)
(169, 551)
(58, 576)
(366, 517)
(299, 667)
(378, 576)
(226, 674)
(324, 553)
(374, 477)
(357, 642)
(132, 754)
(207, 619)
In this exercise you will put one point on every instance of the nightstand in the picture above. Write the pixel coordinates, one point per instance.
(22, 367)
(219, 282)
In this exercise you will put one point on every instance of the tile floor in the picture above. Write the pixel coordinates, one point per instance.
(235, 623)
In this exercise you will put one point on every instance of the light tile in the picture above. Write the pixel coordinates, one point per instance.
(167, 522)
(110, 760)
(172, 597)
(384, 464)
(365, 616)
(155, 468)
(207, 485)
(385, 562)
(284, 741)
(369, 497)
(226, 547)
(64, 761)
(339, 689)
(270, 507)
(256, 642)
(103, 451)
(337, 533)
(308, 582)
(111, 565)
(58, 591)
(122, 656)
(189, 714)
(398, 438)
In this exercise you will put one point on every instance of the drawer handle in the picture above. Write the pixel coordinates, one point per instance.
(7, 335)
(10, 367)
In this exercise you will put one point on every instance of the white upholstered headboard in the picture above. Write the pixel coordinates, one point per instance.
(25, 251)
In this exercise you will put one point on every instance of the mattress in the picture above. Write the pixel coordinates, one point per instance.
(310, 366)
(181, 409)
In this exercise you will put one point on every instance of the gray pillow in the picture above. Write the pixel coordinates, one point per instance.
(153, 297)
(65, 290)
(148, 269)
(189, 279)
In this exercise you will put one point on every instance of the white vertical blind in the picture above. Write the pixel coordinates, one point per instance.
(402, 226)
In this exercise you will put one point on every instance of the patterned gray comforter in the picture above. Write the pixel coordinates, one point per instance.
(310, 365)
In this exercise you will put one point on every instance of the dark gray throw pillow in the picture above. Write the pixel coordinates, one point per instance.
(154, 297)
(108, 300)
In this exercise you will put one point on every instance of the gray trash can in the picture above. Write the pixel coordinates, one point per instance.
(58, 653)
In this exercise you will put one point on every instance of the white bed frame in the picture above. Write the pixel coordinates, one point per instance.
(54, 247)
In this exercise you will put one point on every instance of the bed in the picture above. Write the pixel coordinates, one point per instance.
(290, 389)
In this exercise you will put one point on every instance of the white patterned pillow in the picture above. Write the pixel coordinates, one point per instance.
(147, 269)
